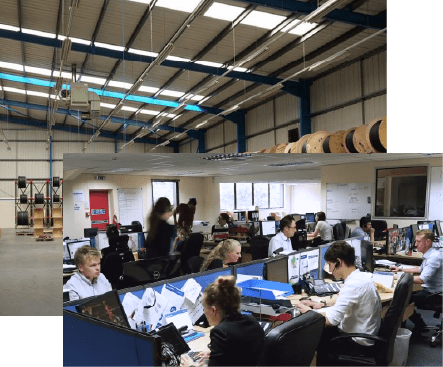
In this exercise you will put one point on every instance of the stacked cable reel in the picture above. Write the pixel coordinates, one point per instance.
(36, 208)
(371, 138)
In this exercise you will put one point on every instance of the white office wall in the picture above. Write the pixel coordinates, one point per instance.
(365, 173)
(306, 198)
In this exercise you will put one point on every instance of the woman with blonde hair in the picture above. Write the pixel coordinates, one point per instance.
(227, 252)
(236, 339)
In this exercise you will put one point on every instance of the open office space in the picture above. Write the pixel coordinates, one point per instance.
(400, 189)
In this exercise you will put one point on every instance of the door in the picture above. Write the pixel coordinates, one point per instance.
(98, 200)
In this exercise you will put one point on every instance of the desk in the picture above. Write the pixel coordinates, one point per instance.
(415, 259)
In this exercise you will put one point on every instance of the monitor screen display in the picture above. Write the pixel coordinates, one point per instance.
(293, 267)
(105, 307)
(90, 232)
(268, 228)
(277, 270)
(438, 228)
(73, 246)
(310, 217)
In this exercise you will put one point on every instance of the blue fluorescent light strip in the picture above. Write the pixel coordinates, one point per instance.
(135, 98)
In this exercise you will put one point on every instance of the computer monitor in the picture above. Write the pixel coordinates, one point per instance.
(309, 263)
(310, 217)
(277, 225)
(254, 229)
(105, 307)
(267, 228)
(356, 244)
(90, 232)
(425, 224)
(276, 269)
(302, 216)
(414, 228)
(392, 241)
(73, 246)
(367, 256)
(438, 228)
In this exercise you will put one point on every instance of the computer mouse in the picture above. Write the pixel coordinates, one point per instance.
(275, 306)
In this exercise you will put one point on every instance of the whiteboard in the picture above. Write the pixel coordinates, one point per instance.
(130, 206)
(348, 201)
(436, 194)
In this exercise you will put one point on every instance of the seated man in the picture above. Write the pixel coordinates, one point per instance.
(357, 308)
(430, 274)
(283, 238)
(88, 281)
(364, 229)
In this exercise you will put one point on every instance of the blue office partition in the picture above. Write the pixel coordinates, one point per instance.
(251, 268)
(91, 342)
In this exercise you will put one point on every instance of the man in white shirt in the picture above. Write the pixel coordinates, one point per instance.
(357, 308)
(283, 238)
(88, 281)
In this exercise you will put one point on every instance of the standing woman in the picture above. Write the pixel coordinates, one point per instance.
(158, 242)
(322, 228)
(236, 339)
(228, 251)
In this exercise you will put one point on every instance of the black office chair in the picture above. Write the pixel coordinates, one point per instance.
(191, 247)
(300, 224)
(338, 232)
(434, 303)
(145, 271)
(379, 226)
(259, 247)
(382, 352)
(194, 264)
(292, 343)
(117, 243)
(299, 240)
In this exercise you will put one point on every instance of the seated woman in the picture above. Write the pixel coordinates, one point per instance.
(112, 231)
(158, 242)
(236, 339)
(88, 281)
(322, 228)
(223, 222)
(227, 252)
(182, 234)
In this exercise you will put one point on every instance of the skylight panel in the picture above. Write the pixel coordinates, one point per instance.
(38, 33)
(141, 52)
(209, 63)
(180, 5)
(149, 112)
(92, 80)
(238, 69)
(146, 89)
(130, 109)
(197, 97)
(9, 27)
(176, 58)
(65, 74)
(11, 66)
(14, 90)
(172, 93)
(301, 29)
(34, 70)
(107, 105)
(224, 12)
(37, 94)
(141, 1)
(109, 46)
(262, 19)
(116, 84)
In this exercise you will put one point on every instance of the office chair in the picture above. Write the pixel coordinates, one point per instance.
(259, 247)
(191, 248)
(117, 243)
(300, 224)
(338, 232)
(112, 267)
(434, 302)
(299, 240)
(292, 343)
(194, 264)
(382, 352)
(145, 271)
(379, 226)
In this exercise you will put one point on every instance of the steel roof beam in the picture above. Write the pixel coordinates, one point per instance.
(338, 15)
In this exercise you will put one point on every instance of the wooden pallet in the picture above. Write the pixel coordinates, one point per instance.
(24, 233)
(44, 239)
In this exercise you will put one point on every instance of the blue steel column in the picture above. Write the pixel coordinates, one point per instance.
(241, 134)
(200, 136)
(305, 108)
(116, 146)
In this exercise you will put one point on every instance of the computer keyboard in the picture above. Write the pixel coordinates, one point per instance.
(195, 355)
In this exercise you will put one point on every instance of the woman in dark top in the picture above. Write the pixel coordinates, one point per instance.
(158, 242)
(227, 252)
(236, 339)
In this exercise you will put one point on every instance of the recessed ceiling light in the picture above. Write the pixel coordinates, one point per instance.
(289, 164)
(224, 157)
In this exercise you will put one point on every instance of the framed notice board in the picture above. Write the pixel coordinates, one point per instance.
(348, 201)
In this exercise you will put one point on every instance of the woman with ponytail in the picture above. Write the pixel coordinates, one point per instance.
(227, 252)
(236, 338)
(158, 242)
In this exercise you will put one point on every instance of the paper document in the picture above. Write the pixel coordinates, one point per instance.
(195, 310)
(192, 290)
(244, 278)
(179, 318)
(174, 296)
(150, 308)
(130, 303)
(385, 279)
(385, 262)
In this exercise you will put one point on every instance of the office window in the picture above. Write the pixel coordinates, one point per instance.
(227, 200)
(165, 188)
(401, 192)
(236, 196)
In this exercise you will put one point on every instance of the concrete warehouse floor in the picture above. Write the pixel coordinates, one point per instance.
(30, 275)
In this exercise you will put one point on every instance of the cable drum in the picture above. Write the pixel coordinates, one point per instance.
(23, 199)
(39, 199)
(56, 198)
(360, 141)
(349, 141)
(22, 182)
(334, 143)
(56, 181)
(376, 135)
(22, 218)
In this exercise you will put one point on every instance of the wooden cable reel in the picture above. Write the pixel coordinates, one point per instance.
(300, 144)
(376, 135)
(360, 140)
(281, 148)
(315, 142)
(334, 143)
(289, 148)
(22, 218)
(348, 140)
(21, 182)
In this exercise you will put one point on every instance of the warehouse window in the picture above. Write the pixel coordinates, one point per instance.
(401, 192)
(234, 196)
(165, 188)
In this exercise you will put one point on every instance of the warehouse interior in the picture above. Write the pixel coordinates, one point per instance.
(197, 76)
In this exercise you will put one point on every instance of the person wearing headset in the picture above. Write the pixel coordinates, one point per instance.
(357, 308)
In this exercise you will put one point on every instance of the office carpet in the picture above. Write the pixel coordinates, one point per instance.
(420, 351)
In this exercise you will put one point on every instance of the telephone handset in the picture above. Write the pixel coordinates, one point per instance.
(318, 287)
(310, 285)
